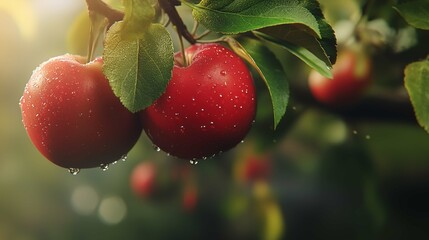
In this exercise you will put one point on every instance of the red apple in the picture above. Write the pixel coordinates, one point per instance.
(351, 76)
(143, 179)
(256, 168)
(208, 106)
(190, 198)
(72, 115)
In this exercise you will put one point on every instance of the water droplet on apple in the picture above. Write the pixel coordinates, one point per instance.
(223, 72)
(104, 167)
(74, 171)
(124, 158)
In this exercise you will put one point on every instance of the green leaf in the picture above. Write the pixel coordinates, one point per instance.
(238, 16)
(138, 16)
(138, 69)
(269, 68)
(323, 67)
(417, 85)
(299, 26)
(416, 13)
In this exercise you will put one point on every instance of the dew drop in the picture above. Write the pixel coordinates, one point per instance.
(124, 158)
(74, 171)
(104, 167)
(193, 162)
(156, 148)
(223, 72)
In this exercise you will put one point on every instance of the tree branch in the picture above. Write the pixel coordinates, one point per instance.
(392, 106)
(176, 20)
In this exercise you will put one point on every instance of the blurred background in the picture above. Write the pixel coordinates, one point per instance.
(317, 177)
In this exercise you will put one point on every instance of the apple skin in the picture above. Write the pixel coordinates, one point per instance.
(351, 76)
(72, 115)
(143, 179)
(208, 106)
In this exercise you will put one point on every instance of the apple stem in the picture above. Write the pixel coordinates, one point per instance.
(217, 40)
(195, 28)
(205, 33)
(97, 27)
(169, 8)
(182, 49)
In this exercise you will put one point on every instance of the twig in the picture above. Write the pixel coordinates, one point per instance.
(176, 20)
(391, 106)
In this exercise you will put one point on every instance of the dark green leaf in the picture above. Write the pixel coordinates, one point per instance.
(270, 69)
(238, 16)
(299, 26)
(138, 69)
(303, 53)
(416, 13)
(417, 85)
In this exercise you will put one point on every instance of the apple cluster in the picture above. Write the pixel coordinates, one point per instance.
(75, 120)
